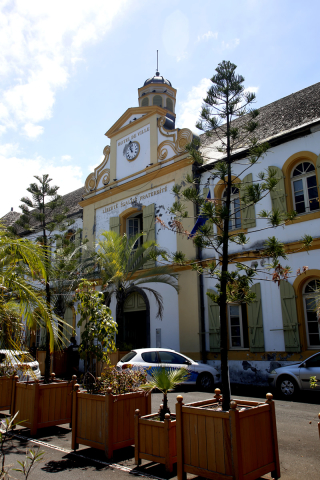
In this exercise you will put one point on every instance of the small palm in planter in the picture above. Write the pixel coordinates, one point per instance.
(165, 380)
(155, 435)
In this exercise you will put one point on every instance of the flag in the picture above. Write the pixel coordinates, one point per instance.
(201, 220)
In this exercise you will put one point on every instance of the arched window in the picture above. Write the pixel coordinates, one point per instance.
(157, 100)
(304, 188)
(310, 294)
(145, 102)
(235, 215)
(169, 104)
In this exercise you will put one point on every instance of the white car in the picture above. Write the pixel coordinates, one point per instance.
(22, 363)
(201, 374)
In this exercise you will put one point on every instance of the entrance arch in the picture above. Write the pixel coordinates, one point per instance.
(135, 328)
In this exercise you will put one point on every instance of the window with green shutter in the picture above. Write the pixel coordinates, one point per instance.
(248, 214)
(145, 102)
(214, 324)
(114, 224)
(278, 194)
(255, 321)
(169, 104)
(149, 229)
(289, 317)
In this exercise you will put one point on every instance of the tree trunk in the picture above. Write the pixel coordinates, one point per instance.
(225, 380)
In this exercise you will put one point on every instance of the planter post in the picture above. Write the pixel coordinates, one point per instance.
(136, 437)
(180, 470)
(109, 423)
(74, 445)
(319, 424)
(34, 417)
(270, 402)
(13, 396)
(235, 439)
(168, 462)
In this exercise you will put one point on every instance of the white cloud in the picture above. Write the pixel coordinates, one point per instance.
(189, 110)
(40, 42)
(32, 131)
(252, 89)
(66, 158)
(231, 44)
(67, 177)
(207, 35)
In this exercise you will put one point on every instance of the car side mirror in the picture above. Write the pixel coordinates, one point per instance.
(304, 365)
(187, 362)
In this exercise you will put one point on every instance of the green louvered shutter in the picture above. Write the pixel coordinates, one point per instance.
(58, 243)
(149, 229)
(205, 194)
(255, 321)
(214, 324)
(43, 336)
(145, 102)
(78, 237)
(28, 336)
(278, 194)
(67, 327)
(318, 172)
(114, 224)
(289, 317)
(248, 217)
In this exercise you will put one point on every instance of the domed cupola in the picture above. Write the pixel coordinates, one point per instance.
(157, 79)
(158, 91)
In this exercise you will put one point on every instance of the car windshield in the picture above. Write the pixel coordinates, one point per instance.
(20, 357)
(129, 356)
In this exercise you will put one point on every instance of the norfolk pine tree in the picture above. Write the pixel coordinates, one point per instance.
(43, 213)
(228, 120)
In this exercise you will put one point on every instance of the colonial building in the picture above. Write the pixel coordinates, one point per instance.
(133, 185)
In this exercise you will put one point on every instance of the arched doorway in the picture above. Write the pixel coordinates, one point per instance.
(135, 329)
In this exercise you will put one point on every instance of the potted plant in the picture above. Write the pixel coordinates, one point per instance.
(103, 417)
(6, 387)
(155, 434)
(40, 404)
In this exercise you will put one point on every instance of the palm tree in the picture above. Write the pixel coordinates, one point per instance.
(165, 379)
(22, 269)
(122, 259)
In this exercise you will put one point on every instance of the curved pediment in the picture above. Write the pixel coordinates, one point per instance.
(101, 175)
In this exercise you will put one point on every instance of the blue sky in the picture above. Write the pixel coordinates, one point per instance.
(70, 68)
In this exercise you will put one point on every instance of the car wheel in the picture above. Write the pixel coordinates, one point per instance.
(205, 381)
(287, 387)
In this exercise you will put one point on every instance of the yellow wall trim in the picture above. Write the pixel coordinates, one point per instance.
(150, 111)
(152, 176)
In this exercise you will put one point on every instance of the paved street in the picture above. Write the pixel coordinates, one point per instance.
(299, 444)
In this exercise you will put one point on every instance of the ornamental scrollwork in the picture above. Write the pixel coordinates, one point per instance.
(100, 172)
(178, 140)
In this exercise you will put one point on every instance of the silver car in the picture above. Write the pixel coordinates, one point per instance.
(289, 380)
(20, 362)
(204, 376)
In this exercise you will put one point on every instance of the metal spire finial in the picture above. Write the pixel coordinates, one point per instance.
(157, 72)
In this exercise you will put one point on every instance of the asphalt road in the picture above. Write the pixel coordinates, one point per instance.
(299, 444)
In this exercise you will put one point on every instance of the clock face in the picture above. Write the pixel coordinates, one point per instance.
(132, 150)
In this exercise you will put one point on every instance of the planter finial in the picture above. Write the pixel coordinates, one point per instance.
(167, 416)
(233, 404)
(269, 397)
(217, 394)
(180, 398)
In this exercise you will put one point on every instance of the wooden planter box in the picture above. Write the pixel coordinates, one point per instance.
(155, 440)
(43, 405)
(6, 389)
(234, 445)
(106, 421)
